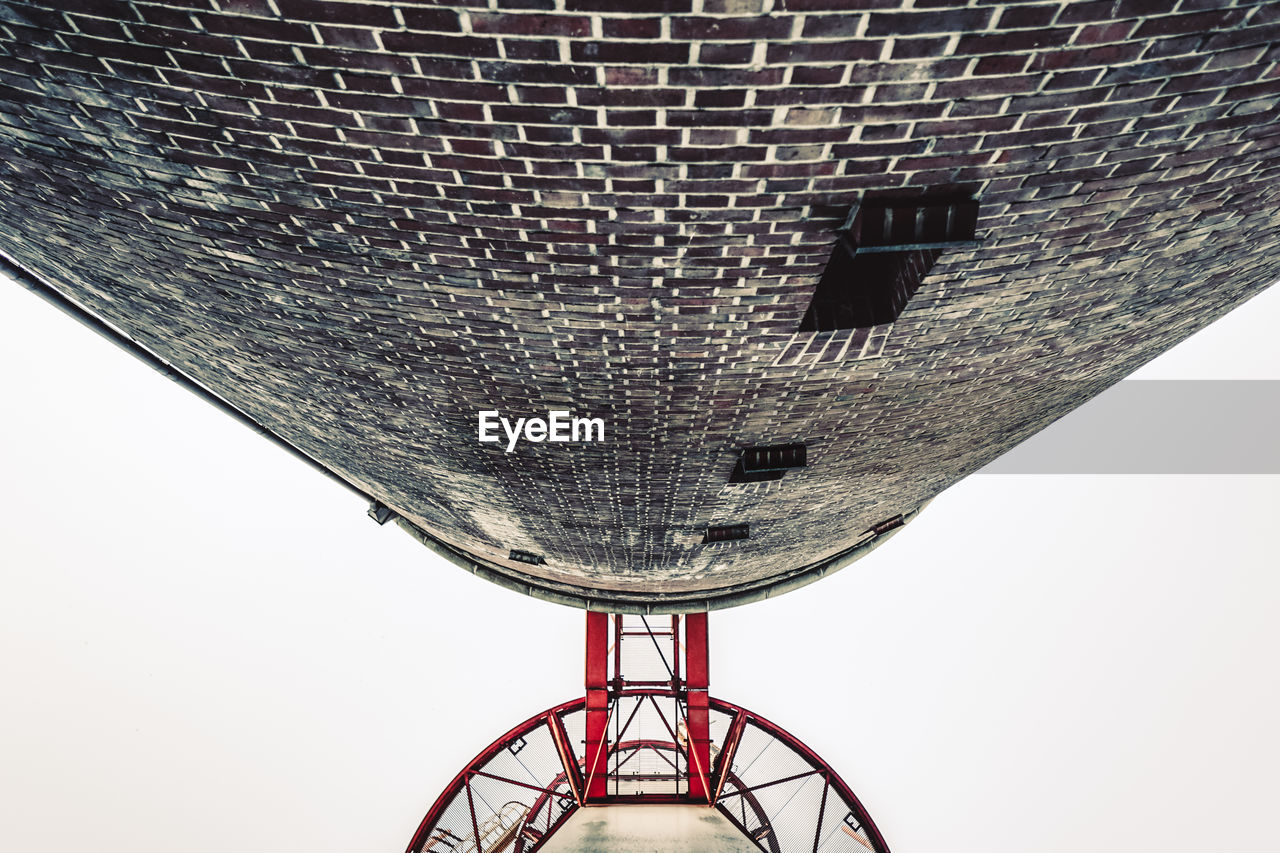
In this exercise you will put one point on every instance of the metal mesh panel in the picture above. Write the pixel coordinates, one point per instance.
(507, 800)
(792, 809)
(646, 759)
(751, 749)
(741, 809)
(575, 725)
(531, 758)
(785, 800)
(453, 828)
(841, 831)
(719, 728)
(647, 658)
(647, 769)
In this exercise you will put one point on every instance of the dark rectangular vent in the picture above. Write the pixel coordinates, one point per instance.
(776, 457)
(878, 263)
(759, 464)
(741, 476)
(887, 525)
(526, 557)
(727, 533)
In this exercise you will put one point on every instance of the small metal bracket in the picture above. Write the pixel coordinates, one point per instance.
(381, 513)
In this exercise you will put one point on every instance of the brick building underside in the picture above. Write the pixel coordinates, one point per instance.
(362, 224)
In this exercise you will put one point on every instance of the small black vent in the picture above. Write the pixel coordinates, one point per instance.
(727, 533)
(759, 464)
(526, 557)
(887, 525)
(777, 457)
(878, 263)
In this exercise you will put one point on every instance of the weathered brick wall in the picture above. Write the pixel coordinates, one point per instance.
(364, 222)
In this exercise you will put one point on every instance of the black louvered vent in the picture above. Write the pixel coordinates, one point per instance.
(758, 464)
(878, 263)
(526, 557)
(887, 525)
(727, 533)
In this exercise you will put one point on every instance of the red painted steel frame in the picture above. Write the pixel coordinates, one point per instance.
(740, 715)
(597, 685)
(697, 680)
(587, 776)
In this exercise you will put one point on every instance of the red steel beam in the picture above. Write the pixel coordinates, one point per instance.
(471, 806)
(596, 752)
(727, 751)
(675, 654)
(697, 681)
(561, 739)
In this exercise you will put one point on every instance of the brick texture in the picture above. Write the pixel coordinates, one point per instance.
(362, 223)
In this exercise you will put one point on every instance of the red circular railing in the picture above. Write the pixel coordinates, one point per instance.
(522, 787)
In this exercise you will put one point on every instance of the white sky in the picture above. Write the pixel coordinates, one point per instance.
(207, 647)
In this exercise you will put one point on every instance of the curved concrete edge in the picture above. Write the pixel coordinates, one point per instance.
(607, 601)
(613, 601)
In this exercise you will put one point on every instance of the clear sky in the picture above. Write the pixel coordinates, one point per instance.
(207, 647)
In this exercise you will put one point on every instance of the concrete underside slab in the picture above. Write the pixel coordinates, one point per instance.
(365, 244)
(644, 829)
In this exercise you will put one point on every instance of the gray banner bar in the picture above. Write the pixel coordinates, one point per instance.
(1159, 427)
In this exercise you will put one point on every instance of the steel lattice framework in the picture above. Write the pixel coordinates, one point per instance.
(647, 732)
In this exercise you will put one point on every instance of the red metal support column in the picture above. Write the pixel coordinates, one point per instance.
(572, 774)
(675, 653)
(596, 753)
(730, 748)
(697, 680)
